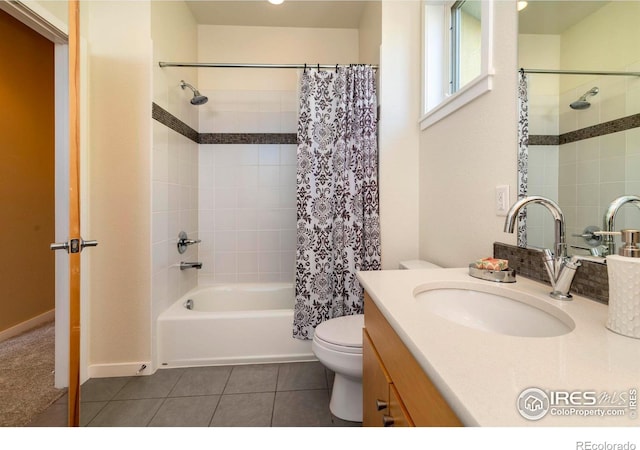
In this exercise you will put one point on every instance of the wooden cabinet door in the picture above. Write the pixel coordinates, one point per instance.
(375, 386)
(397, 411)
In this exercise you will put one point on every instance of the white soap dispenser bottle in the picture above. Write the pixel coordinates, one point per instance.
(624, 286)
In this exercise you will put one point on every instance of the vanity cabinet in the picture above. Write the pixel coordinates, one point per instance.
(382, 406)
(396, 391)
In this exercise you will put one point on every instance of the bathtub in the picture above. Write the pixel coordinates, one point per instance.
(238, 323)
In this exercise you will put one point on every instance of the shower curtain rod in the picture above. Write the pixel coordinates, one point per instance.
(254, 66)
(581, 72)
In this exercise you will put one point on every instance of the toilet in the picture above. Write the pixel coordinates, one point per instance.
(416, 264)
(337, 343)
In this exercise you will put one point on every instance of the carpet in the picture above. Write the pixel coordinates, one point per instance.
(27, 376)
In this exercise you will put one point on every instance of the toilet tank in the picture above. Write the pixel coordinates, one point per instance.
(418, 264)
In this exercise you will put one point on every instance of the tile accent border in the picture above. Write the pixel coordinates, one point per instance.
(169, 120)
(248, 138)
(544, 139)
(601, 129)
(591, 278)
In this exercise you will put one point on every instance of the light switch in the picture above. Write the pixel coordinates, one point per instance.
(502, 200)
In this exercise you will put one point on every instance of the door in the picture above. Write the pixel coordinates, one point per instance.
(75, 244)
(33, 84)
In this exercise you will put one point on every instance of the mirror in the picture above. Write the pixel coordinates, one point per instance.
(584, 135)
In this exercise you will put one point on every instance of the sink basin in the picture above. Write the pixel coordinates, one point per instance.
(509, 313)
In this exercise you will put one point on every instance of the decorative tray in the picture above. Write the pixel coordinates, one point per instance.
(498, 276)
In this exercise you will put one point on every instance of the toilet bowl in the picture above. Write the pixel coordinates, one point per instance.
(337, 343)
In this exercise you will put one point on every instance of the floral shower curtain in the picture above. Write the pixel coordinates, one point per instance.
(338, 228)
(523, 153)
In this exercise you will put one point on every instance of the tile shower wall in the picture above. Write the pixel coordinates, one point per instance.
(247, 194)
(174, 208)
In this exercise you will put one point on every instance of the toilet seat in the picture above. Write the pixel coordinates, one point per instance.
(341, 334)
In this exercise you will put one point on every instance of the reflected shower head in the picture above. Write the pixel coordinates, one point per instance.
(582, 102)
(198, 99)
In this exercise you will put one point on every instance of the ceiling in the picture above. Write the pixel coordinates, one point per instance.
(539, 17)
(292, 13)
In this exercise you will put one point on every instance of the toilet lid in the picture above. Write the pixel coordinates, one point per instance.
(345, 331)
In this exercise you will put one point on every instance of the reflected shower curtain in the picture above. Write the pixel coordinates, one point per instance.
(523, 153)
(338, 228)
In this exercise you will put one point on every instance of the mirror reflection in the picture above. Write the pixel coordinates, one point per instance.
(584, 135)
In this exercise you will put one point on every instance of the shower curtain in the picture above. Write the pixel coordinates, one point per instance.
(338, 228)
(523, 153)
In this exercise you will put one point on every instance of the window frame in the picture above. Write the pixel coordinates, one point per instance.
(438, 101)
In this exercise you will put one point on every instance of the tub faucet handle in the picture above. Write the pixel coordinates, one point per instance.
(184, 242)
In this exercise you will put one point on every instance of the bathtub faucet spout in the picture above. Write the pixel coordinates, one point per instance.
(190, 265)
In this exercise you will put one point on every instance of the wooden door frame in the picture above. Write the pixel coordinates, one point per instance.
(74, 213)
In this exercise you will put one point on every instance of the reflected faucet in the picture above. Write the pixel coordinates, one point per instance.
(560, 268)
(610, 217)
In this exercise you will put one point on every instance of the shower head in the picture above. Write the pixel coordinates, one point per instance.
(582, 102)
(198, 98)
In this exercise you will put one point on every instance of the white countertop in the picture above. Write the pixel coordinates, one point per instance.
(481, 374)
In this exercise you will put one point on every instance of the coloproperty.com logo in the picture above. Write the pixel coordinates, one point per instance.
(534, 403)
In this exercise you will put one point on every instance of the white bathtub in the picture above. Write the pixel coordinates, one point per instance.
(239, 323)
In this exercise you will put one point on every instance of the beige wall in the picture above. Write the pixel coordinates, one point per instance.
(465, 156)
(119, 87)
(370, 33)
(175, 38)
(57, 8)
(26, 173)
(605, 40)
(399, 78)
(269, 45)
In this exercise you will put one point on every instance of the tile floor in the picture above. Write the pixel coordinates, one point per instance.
(266, 395)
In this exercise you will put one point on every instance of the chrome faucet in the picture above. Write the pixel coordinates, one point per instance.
(190, 265)
(560, 268)
(610, 217)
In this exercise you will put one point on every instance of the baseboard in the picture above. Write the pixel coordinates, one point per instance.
(27, 325)
(120, 369)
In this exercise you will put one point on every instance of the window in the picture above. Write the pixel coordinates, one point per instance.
(466, 43)
(456, 60)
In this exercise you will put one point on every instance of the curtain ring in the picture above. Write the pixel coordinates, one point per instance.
(318, 67)
(336, 68)
(305, 68)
